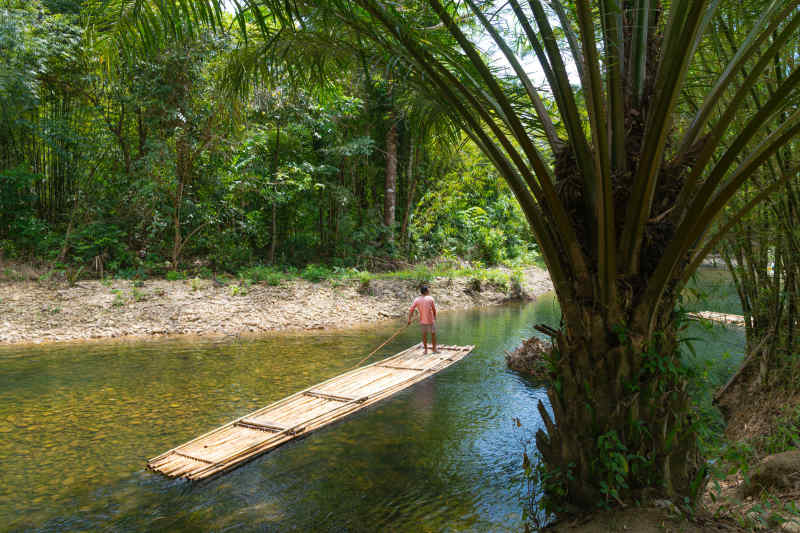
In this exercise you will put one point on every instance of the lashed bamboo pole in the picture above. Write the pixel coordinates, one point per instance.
(276, 404)
(236, 444)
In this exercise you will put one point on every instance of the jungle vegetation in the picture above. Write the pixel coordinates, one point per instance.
(149, 160)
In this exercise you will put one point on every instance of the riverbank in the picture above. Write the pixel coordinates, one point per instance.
(37, 312)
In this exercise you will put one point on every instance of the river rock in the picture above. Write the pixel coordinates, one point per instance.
(530, 358)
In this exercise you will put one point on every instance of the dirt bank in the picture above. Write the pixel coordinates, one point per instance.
(33, 312)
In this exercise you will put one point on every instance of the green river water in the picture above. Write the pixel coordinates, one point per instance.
(79, 421)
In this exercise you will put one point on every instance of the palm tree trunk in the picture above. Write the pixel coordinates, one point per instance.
(620, 423)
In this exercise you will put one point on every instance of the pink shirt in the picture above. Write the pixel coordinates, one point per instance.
(427, 309)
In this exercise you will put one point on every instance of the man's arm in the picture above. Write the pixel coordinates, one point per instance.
(411, 311)
(433, 307)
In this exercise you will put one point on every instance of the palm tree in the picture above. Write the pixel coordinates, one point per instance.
(620, 178)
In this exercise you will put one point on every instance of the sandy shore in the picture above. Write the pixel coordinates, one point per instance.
(34, 312)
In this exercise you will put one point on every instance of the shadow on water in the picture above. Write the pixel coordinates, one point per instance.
(78, 422)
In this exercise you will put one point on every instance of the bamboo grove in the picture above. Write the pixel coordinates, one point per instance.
(761, 250)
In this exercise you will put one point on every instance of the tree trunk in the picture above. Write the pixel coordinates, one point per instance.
(275, 160)
(390, 192)
(142, 133)
(412, 187)
(182, 173)
(274, 239)
(621, 409)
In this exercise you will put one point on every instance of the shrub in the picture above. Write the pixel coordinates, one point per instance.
(104, 240)
(238, 290)
(175, 275)
(137, 295)
(128, 273)
(33, 235)
(16, 199)
(517, 289)
(420, 273)
(364, 287)
(260, 273)
(316, 273)
(499, 280)
(474, 285)
(229, 251)
(119, 299)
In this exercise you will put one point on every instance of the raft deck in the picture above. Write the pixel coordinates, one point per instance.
(244, 439)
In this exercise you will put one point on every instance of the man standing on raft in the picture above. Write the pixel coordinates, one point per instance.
(427, 317)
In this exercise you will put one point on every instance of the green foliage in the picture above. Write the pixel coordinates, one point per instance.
(516, 279)
(98, 239)
(316, 273)
(285, 176)
(420, 273)
(612, 462)
(119, 298)
(74, 275)
(175, 275)
(768, 514)
(32, 236)
(16, 200)
(499, 280)
(267, 274)
(238, 290)
(138, 295)
(471, 213)
(227, 250)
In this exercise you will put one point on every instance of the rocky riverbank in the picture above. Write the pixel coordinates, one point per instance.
(35, 312)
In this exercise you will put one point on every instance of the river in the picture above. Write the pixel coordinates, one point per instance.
(79, 421)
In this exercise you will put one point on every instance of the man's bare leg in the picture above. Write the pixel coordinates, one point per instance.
(433, 340)
(425, 342)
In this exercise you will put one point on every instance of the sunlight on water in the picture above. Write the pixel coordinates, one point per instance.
(79, 421)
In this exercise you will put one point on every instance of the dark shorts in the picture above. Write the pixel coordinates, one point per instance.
(428, 328)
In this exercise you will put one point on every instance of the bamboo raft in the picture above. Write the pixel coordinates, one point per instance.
(244, 439)
(724, 318)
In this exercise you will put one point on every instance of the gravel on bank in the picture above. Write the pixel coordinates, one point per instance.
(34, 312)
